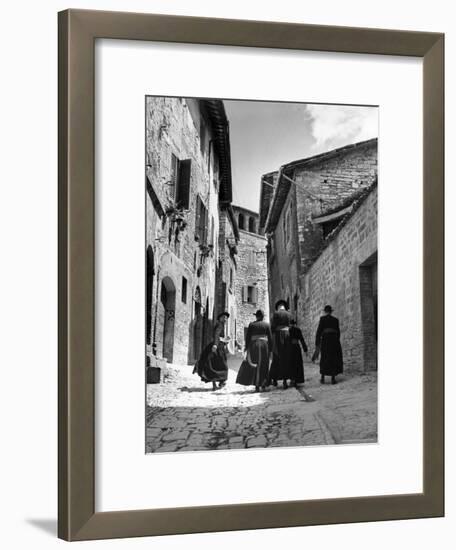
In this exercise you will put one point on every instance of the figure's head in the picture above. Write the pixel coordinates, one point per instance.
(293, 322)
(223, 317)
(281, 304)
(328, 310)
(259, 314)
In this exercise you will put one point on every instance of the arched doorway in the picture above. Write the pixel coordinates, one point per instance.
(168, 301)
(198, 324)
(150, 272)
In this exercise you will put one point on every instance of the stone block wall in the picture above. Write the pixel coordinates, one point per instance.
(174, 127)
(344, 276)
(296, 242)
(324, 182)
(284, 259)
(226, 276)
(254, 274)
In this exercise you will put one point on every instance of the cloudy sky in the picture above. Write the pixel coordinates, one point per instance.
(266, 135)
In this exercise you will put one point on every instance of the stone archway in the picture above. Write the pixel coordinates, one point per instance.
(168, 302)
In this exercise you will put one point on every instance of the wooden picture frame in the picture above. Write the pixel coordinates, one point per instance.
(78, 30)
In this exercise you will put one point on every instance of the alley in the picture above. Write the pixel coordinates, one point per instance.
(183, 414)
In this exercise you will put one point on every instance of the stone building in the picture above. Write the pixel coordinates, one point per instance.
(320, 215)
(227, 267)
(188, 184)
(251, 285)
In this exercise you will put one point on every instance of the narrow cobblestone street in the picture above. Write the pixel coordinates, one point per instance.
(184, 414)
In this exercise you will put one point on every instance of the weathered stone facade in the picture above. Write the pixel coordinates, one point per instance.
(310, 200)
(188, 177)
(227, 272)
(345, 276)
(251, 285)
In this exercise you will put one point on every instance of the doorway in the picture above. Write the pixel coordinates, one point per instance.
(369, 316)
(150, 272)
(168, 301)
(198, 325)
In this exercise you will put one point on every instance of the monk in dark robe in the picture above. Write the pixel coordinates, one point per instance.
(296, 363)
(254, 370)
(212, 366)
(280, 326)
(327, 343)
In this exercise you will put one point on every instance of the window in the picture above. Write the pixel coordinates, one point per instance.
(252, 225)
(249, 294)
(180, 182)
(184, 290)
(183, 184)
(251, 258)
(231, 277)
(201, 221)
(174, 176)
(241, 221)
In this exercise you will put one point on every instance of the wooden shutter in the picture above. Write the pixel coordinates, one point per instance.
(254, 295)
(199, 205)
(174, 176)
(183, 186)
(245, 294)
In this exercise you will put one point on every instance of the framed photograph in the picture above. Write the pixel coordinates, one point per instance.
(250, 275)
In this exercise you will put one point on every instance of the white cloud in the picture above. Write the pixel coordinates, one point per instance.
(333, 126)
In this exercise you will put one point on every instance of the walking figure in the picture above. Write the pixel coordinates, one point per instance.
(212, 366)
(296, 363)
(254, 370)
(280, 326)
(327, 343)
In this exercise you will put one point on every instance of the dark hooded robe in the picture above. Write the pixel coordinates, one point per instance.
(296, 363)
(254, 370)
(280, 326)
(213, 366)
(327, 341)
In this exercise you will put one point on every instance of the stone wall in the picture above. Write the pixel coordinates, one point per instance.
(296, 242)
(252, 271)
(324, 182)
(344, 276)
(226, 276)
(284, 259)
(178, 127)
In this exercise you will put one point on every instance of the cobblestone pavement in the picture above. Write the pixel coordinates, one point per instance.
(184, 414)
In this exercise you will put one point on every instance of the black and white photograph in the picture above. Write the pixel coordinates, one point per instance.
(261, 274)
